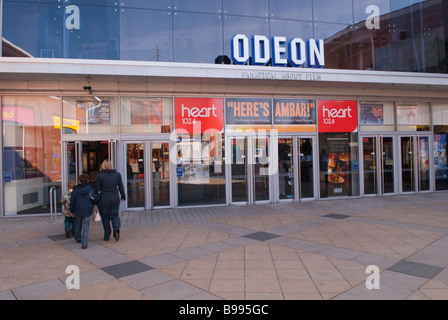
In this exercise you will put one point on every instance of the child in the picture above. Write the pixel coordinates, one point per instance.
(82, 200)
(69, 220)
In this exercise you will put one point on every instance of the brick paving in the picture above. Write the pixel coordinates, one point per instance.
(315, 250)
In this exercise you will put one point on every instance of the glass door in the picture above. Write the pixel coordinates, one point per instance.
(378, 165)
(407, 164)
(387, 165)
(370, 162)
(306, 168)
(260, 169)
(424, 181)
(239, 169)
(73, 160)
(415, 160)
(250, 169)
(160, 168)
(286, 168)
(87, 157)
(135, 174)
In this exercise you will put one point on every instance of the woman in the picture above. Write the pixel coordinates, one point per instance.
(110, 187)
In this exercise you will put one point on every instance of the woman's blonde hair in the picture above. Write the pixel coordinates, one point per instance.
(106, 165)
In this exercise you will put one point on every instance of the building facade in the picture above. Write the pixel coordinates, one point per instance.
(219, 102)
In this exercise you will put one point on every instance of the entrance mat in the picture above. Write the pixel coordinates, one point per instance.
(416, 269)
(126, 269)
(261, 236)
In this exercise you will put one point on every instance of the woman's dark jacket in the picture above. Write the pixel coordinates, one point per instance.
(82, 200)
(110, 187)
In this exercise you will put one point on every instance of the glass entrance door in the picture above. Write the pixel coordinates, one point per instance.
(295, 168)
(239, 169)
(160, 168)
(306, 168)
(250, 169)
(378, 165)
(87, 157)
(260, 169)
(415, 159)
(135, 174)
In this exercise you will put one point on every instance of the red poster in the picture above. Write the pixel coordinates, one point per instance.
(337, 115)
(199, 115)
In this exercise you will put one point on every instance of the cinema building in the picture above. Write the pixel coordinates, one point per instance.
(223, 102)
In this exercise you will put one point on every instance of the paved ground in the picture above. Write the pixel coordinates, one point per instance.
(285, 251)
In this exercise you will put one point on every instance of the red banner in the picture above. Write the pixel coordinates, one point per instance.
(199, 115)
(337, 115)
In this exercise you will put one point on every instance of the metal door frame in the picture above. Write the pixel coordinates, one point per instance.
(416, 163)
(379, 159)
(250, 163)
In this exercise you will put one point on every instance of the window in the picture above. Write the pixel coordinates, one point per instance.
(197, 37)
(93, 114)
(146, 35)
(31, 152)
(140, 115)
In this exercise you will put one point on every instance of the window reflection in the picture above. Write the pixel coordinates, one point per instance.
(143, 45)
(139, 115)
(340, 11)
(197, 37)
(255, 8)
(96, 114)
(411, 34)
(31, 153)
(209, 6)
(32, 29)
(97, 37)
(288, 9)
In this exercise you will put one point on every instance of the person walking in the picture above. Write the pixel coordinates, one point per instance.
(82, 200)
(110, 186)
(69, 218)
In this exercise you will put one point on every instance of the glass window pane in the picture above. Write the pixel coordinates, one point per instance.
(147, 4)
(33, 29)
(140, 115)
(31, 153)
(197, 37)
(201, 169)
(289, 9)
(413, 116)
(333, 11)
(306, 168)
(376, 116)
(338, 45)
(97, 36)
(285, 168)
(137, 43)
(135, 175)
(210, 6)
(160, 174)
(291, 29)
(90, 115)
(239, 169)
(440, 113)
(257, 8)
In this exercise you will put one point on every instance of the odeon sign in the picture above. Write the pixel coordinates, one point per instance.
(296, 51)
